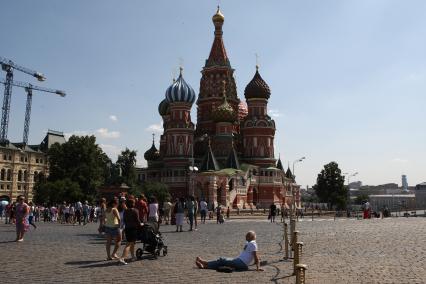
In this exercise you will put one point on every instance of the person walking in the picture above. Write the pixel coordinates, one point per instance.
(85, 210)
(142, 207)
(22, 211)
(167, 207)
(203, 211)
(179, 211)
(112, 229)
(218, 213)
(190, 206)
(153, 210)
(101, 215)
(132, 223)
(273, 212)
(196, 209)
(31, 215)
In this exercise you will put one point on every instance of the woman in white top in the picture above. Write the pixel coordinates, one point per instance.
(247, 257)
(153, 210)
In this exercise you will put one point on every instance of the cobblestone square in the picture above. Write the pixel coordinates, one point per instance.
(341, 251)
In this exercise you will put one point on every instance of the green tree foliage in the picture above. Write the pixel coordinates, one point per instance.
(54, 192)
(330, 186)
(359, 200)
(127, 162)
(81, 161)
(157, 189)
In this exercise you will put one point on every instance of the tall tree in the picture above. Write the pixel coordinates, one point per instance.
(81, 161)
(127, 162)
(330, 187)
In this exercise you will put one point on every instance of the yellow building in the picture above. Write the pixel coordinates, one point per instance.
(22, 166)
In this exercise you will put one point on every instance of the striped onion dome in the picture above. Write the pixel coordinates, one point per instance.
(180, 91)
(242, 110)
(163, 108)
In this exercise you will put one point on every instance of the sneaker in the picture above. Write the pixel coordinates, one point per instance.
(122, 262)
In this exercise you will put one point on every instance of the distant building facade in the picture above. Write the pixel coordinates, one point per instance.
(228, 157)
(21, 166)
(404, 182)
(420, 192)
(394, 202)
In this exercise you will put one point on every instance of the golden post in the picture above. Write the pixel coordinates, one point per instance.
(300, 273)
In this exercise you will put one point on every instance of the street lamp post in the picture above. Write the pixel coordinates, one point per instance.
(297, 161)
(349, 177)
(292, 190)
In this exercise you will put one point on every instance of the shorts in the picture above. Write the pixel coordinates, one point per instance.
(131, 234)
(112, 231)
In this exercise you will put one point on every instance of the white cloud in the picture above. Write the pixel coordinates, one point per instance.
(275, 113)
(155, 128)
(399, 160)
(111, 150)
(113, 117)
(105, 133)
(76, 133)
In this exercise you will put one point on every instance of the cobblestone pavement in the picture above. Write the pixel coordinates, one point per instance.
(341, 251)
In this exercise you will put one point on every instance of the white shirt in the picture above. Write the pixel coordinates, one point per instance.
(247, 255)
(153, 210)
(203, 206)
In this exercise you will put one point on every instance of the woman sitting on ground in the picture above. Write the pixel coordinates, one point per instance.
(247, 257)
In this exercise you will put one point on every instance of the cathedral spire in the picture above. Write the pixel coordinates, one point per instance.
(218, 53)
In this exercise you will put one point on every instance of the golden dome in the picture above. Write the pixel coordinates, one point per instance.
(218, 17)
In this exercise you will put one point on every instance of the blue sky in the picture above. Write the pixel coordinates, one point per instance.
(348, 78)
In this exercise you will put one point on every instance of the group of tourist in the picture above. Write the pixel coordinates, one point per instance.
(123, 218)
(66, 213)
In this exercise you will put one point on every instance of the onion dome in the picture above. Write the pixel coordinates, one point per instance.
(163, 108)
(218, 17)
(224, 112)
(257, 88)
(242, 110)
(180, 91)
(152, 154)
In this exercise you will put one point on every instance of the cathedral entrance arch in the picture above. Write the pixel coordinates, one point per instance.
(219, 195)
(255, 196)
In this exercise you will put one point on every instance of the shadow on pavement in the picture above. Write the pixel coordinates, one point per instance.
(5, 242)
(82, 262)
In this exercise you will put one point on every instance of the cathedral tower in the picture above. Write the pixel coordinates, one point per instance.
(258, 128)
(216, 73)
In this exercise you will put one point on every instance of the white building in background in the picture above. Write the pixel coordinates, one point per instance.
(404, 182)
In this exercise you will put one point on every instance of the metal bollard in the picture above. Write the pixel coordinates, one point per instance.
(301, 273)
(292, 229)
(312, 214)
(286, 241)
(294, 240)
(297, 256)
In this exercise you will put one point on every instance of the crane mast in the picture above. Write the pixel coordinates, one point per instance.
(29, 90)
(8, 66)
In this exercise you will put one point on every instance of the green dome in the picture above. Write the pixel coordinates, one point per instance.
(224, 112)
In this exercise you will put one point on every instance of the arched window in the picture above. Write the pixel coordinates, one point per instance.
(9, 174)
(3, 174)
(35, 176)
(25, 176)
(19, 175)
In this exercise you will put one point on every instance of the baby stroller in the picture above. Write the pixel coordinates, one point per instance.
(152, 241)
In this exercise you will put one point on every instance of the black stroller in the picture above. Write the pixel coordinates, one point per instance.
(152, 241)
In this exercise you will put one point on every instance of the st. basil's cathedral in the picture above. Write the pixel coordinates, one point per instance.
(227, 158)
